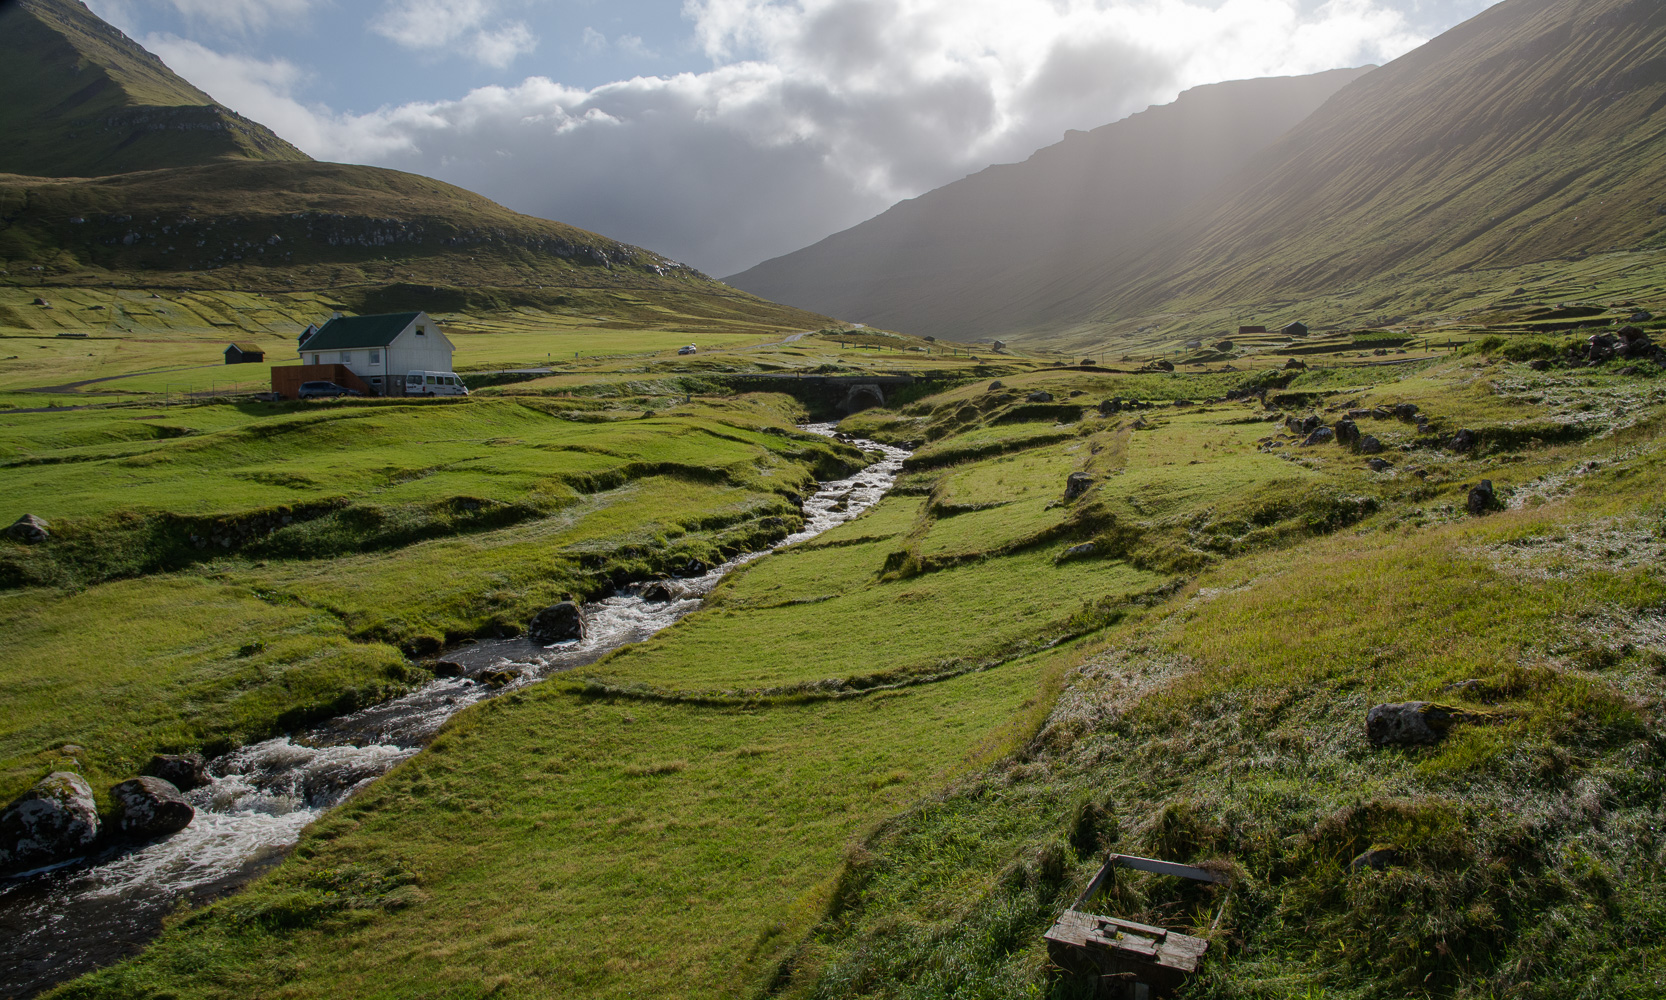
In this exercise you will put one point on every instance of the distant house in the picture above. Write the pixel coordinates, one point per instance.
(1245, 331)
(379, 350)
(244, 353)
(1192, 345)
(1295, 330)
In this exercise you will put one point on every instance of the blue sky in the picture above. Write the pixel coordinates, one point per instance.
(725, 132)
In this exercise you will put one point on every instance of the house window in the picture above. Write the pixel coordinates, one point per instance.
(420, 331)
(346, 357)
(315, 359)
(375, 357)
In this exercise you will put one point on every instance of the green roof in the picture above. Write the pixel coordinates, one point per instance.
(345, 333)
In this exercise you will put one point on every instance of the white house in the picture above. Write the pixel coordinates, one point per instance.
(379, 349)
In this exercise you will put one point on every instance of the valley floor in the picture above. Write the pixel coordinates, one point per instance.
(882, 761)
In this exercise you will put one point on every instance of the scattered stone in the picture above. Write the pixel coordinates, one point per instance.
(1641, 316)
(497, 678)
(43, 303)
(447, 668)
(1359, 414)
(1077, 484)
(1087, 361)
(28, 529)
(1538, 364)
(1077, 392)
(1411, 723)
(51, 822)
(1078, 551)
(1482, 498)
(557, 623)
(1406, 411)
(1039, 396)
(1377, 859)
(1183, 402)
(660, 592)
(996, 386)
(1634, 343)
(1369, 445)
(1110, 406)
(1347, 433)
(1323, 435)
(1464, 440)
(1600, 347)
(1295, 365)
(1163, 366)
(184, 771)
(149, 807)
(1472, 687)
(1380, 464)
(1140, 424)
(695, 567)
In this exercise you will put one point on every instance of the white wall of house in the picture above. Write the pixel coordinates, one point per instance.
(419, 347)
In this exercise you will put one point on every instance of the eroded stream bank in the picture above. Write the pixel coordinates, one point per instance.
(60, 923)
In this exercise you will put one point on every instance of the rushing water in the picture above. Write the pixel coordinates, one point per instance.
(57, 924)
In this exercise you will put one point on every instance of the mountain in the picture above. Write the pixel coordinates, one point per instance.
(987, 253)
(121, 172)
(83, 100)
(1535, 131)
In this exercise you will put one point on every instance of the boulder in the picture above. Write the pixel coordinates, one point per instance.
(1087, 361)
(661, 592)
(445, 668)
(1377, 858)
(1182, 402)
(1039, 396)
(1163, 366)
(1642, 316)
(28, 529)
(149, 807)
(1380, 465)
(1464, 440)
(1406, 411)
(1081, 551)
(1323, 435)
(1295, 365)
(1482, 498)
(557, 623)
(1600, 347)
(51, 822)
(996, 386)
(1369, 445)
(1634, 343)
(1538, 364)
(184, 771)
(1110, 406)
(1076, 485)
(1077, 392)
(42, 302)
(1411, 723)
(1347, 433)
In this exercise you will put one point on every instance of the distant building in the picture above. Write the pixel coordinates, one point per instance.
(1245, 331)
(244, 353)
(380, 349)
(1295, 330)
(369, 354)
(1192, 345)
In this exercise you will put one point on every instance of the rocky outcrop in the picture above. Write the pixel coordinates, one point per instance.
(1369, 445)
(184, 771)
(1039, 396)
(51, 822)
(1323, 435)
(1481, 498)
(1411, 723)
(148, 807)
(29, 530)
(557, 623)
(661, 592)
(1295, 365)
(1347, 433)
(1077, 484)
(1464, 440)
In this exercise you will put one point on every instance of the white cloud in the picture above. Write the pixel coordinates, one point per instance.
(464, 26)
(819, 113)
(235, 17)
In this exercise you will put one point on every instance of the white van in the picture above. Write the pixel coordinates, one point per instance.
(434, 384)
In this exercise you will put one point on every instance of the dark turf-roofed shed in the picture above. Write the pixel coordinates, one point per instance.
(244, 353)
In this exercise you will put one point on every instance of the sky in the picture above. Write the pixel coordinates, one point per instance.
(725, 132)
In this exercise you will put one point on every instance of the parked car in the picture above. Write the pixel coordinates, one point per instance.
(324, 390)
(434, 384)
(690, 349)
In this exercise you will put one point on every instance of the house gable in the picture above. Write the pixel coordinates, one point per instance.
(358, 332)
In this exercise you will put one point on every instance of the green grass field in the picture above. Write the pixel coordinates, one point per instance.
(880, 762)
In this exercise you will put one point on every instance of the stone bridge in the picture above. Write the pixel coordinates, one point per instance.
(839, 395)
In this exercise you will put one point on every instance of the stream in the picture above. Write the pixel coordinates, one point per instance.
(65, 921)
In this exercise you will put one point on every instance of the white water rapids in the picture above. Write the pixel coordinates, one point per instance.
(58, 924)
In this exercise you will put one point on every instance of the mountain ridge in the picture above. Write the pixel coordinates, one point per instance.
(958, 258)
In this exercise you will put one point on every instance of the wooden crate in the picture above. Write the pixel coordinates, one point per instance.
(1128, 960)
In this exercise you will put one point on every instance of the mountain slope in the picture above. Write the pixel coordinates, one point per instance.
(981, 254)
(123, 173)
(83, 99)
(1537, 130)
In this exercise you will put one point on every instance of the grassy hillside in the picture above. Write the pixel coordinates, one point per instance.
(880, 762)
(1530, 134)
(82, 99)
